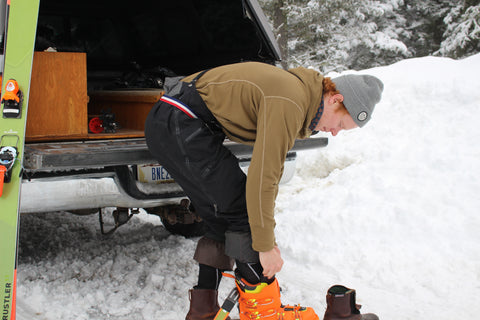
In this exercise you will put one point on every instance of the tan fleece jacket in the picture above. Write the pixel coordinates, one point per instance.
(267, 107)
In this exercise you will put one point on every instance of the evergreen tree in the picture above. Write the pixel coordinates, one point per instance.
(424, 26)
(462, 35)
(334, 35)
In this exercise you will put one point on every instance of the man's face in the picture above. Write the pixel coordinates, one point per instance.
(335, 117)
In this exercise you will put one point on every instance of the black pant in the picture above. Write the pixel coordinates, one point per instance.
(194, 155)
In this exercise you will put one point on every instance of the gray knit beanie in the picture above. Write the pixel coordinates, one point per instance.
(360, 94)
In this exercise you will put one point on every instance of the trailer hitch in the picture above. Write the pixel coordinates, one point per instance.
(120, 217)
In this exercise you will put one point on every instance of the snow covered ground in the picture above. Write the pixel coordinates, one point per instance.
(392, 210)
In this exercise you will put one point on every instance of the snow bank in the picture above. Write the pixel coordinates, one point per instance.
(390, 210)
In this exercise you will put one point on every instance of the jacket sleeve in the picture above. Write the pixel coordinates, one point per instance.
(278, 123)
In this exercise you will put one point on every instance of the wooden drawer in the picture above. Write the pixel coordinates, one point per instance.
(58, 97)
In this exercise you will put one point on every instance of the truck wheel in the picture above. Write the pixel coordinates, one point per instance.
(179, 219)
(195, 229)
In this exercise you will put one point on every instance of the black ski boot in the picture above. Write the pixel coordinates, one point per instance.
(341, 305)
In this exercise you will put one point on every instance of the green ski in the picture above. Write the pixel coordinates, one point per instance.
(20, 30)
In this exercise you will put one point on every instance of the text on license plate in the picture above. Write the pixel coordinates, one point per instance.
(153, 173)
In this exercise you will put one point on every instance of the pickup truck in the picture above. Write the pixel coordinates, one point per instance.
(98, 68)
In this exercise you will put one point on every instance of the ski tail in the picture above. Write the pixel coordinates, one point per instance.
(20, 30)
(14, 292)
(229, 302)
(228, 305)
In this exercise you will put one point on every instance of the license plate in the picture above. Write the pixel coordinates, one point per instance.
(153, 173)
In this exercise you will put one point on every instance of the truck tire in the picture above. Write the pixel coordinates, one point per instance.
(180, 219)
(195, 229)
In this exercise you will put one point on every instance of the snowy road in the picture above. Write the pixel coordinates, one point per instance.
(391, 210)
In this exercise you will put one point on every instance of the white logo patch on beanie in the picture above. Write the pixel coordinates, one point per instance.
(362, 116)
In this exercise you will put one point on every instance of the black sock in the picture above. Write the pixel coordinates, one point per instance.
(252, 272)
(208, 277)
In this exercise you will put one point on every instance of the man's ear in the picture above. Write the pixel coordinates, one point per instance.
(336, 98)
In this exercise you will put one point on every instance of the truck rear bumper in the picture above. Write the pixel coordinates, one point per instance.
(97, 174)
(86, 192)
(117, 188)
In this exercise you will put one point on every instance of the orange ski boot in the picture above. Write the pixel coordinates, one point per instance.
(262, 301)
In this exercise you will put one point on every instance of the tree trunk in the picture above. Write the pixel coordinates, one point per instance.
(280, 27)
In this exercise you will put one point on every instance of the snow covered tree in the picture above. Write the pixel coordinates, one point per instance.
(338, 34)
(462, 35)
(423, 27)
(334, 35)
(378, 32)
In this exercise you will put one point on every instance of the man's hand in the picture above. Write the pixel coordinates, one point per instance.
(271, 262)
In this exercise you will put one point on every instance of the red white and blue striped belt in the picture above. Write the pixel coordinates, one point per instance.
(179, 105)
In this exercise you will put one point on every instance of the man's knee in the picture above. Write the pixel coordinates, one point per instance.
(238, 245)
